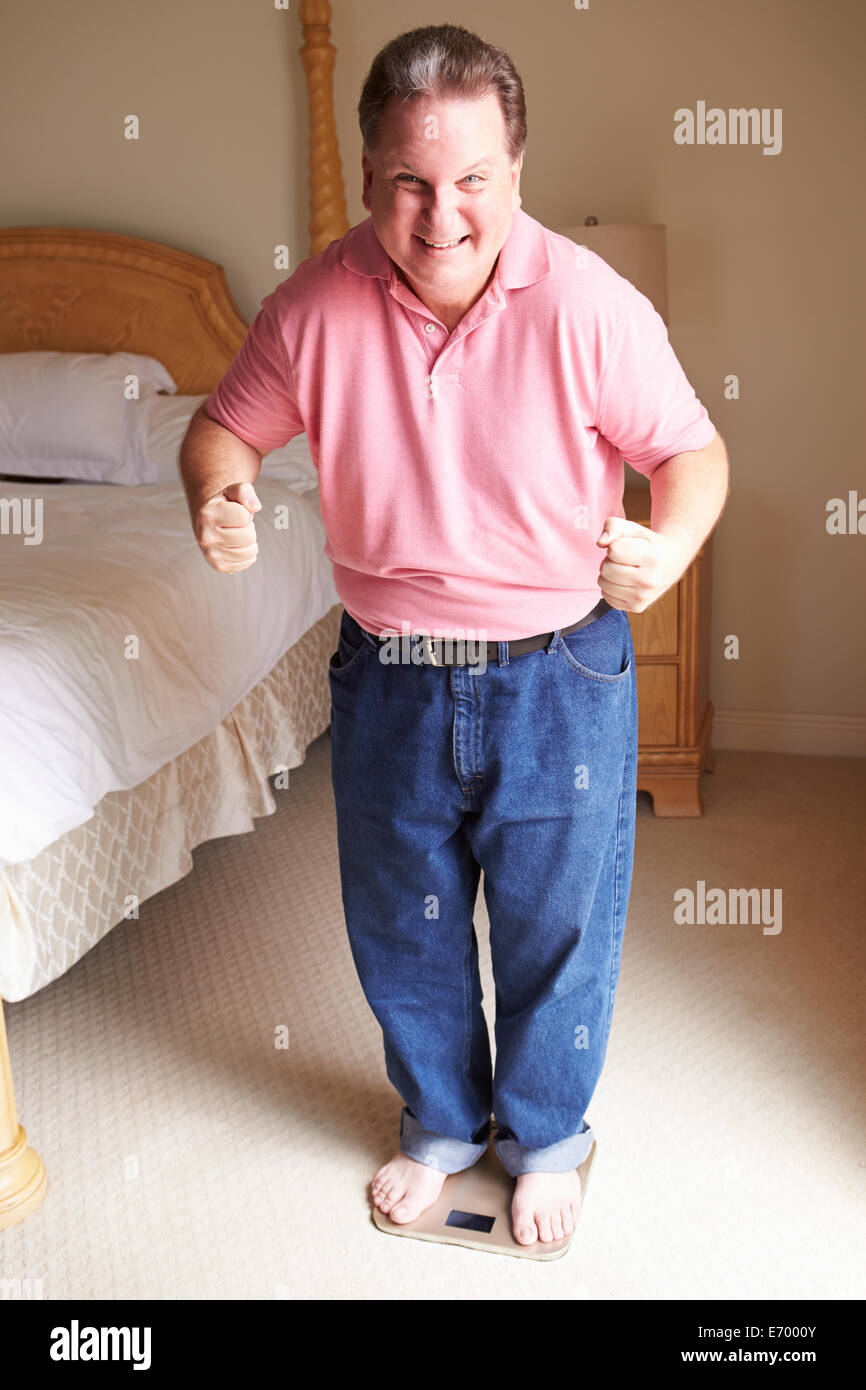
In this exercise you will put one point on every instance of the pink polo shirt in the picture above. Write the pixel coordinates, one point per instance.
(464, 477)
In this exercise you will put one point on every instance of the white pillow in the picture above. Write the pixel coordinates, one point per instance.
(169, 418)
(66, 415)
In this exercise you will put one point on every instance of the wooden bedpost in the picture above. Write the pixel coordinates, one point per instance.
(23, 1181)
(328, 218)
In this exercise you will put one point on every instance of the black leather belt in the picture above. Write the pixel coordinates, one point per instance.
(451, 651)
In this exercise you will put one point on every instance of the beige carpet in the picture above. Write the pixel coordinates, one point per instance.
(189, 1158)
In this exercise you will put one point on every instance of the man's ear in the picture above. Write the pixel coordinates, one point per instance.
(367, 174)
(516, 168)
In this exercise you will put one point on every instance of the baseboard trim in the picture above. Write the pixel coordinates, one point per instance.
(822, 735)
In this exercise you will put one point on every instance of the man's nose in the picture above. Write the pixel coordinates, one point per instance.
(442, 208)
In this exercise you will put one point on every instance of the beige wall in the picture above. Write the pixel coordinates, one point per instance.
(765, 252)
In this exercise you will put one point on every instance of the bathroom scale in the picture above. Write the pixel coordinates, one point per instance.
(474, 1209)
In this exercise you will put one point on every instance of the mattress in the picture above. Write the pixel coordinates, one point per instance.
(145, 701)
(120, 646)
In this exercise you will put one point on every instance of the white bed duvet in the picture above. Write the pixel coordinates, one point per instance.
(120, 647)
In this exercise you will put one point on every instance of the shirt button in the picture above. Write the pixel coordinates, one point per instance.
(430, 327)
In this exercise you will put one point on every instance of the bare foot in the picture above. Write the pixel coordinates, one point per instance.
(403, 1188)
(545, 1206)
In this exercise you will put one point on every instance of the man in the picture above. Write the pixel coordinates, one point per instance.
(468, 382)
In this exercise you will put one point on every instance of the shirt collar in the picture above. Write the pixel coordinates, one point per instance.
(523, 260)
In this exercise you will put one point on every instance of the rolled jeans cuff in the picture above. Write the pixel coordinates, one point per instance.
(558, 1158)
(438, 1151)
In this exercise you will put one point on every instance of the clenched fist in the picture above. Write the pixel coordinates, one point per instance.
(224, 528)
(640, 564)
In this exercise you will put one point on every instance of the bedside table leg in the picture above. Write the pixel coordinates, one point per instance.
(673, 795)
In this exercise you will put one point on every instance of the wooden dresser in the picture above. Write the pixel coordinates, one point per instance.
(672, 647)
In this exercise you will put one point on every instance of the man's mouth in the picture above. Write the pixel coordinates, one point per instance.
(441, 245)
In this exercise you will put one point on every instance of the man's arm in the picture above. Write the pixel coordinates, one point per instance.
(211, 457)
(688, 494)
(218, 470)
(688, 491)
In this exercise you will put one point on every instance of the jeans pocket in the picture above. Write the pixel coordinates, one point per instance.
(351, 646)
(602, 651)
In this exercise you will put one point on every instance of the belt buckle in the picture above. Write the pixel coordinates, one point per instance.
(429, 644)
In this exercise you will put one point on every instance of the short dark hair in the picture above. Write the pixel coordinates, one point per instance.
(443, 60)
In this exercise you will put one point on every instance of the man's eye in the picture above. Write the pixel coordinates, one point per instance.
(417, 180)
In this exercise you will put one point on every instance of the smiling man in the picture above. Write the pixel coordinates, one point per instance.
(469, 382)
(443, 228)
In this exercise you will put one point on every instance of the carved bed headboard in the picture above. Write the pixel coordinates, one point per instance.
(70, 289)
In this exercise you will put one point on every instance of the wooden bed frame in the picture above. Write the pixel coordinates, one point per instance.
(72, 289)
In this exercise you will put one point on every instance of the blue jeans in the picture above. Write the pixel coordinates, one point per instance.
(525, 767)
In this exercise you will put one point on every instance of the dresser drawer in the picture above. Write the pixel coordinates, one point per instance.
(656, 632)
(656, 704)
(672, 654)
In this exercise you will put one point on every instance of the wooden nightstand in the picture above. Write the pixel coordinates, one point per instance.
(675, 716)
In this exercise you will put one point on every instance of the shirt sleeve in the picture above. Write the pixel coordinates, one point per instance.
(255, 398)
(647, 407)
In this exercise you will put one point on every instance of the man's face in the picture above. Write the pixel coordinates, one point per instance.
(442, 173)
